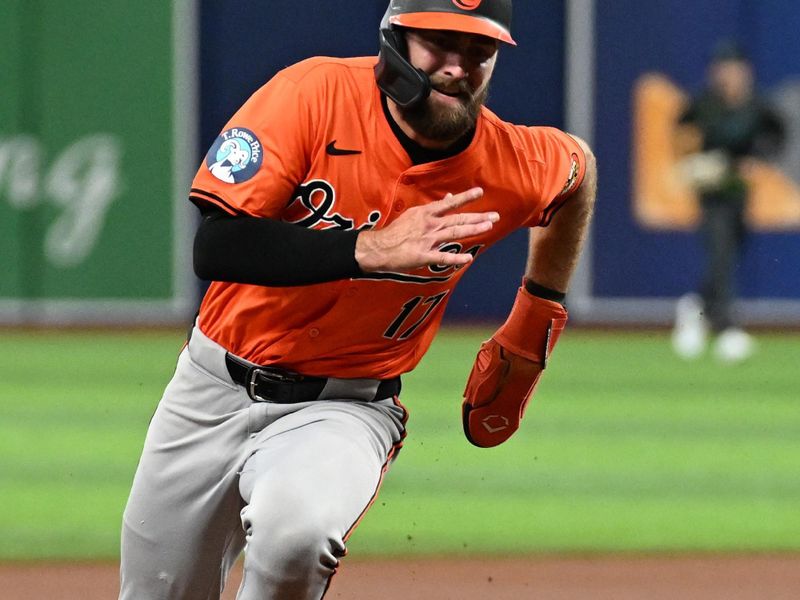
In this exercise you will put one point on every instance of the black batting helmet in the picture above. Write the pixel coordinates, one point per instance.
(396, 77)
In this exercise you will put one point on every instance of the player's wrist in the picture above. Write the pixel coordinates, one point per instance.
(367, 252)
(541, 291)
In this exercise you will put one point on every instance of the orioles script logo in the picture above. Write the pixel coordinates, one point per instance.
(467, 4)
(312, 206)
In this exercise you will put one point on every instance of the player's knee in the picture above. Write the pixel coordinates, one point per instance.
(297, 546)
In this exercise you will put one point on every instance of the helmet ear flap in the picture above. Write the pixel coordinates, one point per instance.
(396, 77)
(395, 37)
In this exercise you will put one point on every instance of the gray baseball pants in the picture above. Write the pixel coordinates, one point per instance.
(220, 473)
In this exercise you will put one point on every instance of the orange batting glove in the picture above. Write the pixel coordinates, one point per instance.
(508, 367)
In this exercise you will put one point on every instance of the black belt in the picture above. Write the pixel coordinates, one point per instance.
(273, 384)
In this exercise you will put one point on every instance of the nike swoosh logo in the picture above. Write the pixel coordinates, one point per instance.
(334, 151)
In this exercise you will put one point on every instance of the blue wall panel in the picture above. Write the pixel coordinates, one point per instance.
(676, 38)
(241, 49)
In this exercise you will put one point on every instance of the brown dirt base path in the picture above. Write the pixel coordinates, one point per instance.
(590, 578)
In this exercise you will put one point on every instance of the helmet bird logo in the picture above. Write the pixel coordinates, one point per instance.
(467, 4)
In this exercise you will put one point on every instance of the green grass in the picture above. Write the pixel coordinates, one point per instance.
(625, 448)
(74, 408)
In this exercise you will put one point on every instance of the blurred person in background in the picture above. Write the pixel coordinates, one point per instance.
(724, 129)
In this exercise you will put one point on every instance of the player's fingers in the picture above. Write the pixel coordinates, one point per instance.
(448, 259)
(458, 232)
(451, 201)
(469, 219)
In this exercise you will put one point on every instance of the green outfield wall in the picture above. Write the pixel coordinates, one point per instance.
(90, 220)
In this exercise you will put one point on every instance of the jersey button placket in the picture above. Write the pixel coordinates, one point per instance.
(313, 332)
(402, 182)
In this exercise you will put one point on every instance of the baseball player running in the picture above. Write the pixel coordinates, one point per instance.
(342, 203)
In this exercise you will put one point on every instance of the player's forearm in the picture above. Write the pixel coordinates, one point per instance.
(272, 253)
(554, 250)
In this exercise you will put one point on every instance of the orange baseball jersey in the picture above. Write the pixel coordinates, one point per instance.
(313, 147)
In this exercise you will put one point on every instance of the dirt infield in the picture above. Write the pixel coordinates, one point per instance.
(595, 578)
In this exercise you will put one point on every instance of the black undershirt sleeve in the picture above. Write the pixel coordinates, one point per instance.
(244, 249)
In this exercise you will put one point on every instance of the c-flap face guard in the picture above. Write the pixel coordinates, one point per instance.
(398, 78)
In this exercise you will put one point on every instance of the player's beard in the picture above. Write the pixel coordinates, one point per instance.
(439, 122)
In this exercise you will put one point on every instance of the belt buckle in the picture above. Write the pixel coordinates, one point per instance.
(269, 375)
(252, 375)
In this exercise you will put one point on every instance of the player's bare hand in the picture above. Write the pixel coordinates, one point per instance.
(414, 238)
